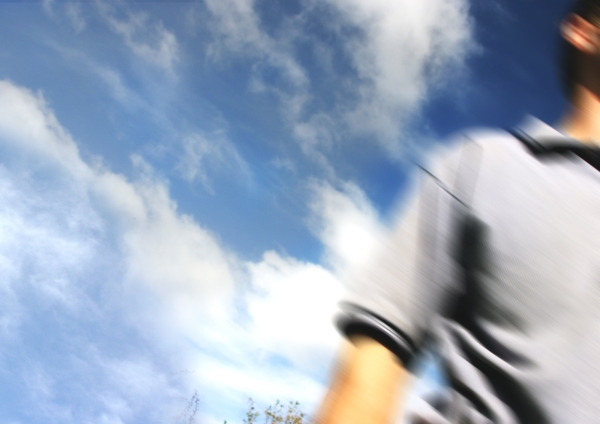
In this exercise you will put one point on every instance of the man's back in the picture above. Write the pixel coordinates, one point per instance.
(496, 261)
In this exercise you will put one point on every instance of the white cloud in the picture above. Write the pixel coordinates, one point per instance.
(405, 48)
(26, 122)
(238, 34)
(399, 54)
(292, 309)
(346, 223)
(175, 256)
(63, 221)
(178, 286)
(97, 247)
(164, 248)
(149, 40)
(54, 250)
(237, 29)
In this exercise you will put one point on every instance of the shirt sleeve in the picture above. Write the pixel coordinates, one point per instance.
(413, 273)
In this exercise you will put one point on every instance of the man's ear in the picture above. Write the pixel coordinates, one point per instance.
(583, 35)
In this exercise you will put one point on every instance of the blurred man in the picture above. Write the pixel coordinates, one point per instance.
(496, 263)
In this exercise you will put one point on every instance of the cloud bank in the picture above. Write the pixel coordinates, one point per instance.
(89, 246)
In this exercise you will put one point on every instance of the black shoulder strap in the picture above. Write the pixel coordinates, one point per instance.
(589, 154)
(532, 145)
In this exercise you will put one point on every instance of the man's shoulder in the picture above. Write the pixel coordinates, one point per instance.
(496, 140)
(470, 148)
(489, 141)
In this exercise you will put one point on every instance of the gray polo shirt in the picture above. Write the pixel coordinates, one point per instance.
(496, 260)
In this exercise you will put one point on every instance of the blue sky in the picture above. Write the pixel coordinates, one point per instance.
(184, 185)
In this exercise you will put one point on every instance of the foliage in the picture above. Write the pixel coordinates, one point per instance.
(276, 414)
(189, 415)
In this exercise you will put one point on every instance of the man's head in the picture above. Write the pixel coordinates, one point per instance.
(581, 54)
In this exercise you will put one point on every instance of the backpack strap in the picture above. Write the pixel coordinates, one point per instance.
(585, 152)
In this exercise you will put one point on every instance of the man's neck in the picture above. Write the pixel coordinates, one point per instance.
(582, 121)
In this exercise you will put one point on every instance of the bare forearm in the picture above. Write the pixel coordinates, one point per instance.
(366, 387)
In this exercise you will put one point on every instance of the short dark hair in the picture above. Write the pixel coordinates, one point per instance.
(590, 11)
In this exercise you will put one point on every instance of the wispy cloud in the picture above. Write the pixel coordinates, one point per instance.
(71, 10)
(237, 30)
(145, 37)
(203, 155)
(113, 80)
(239, 34)
(74, 13)
(399, 53)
